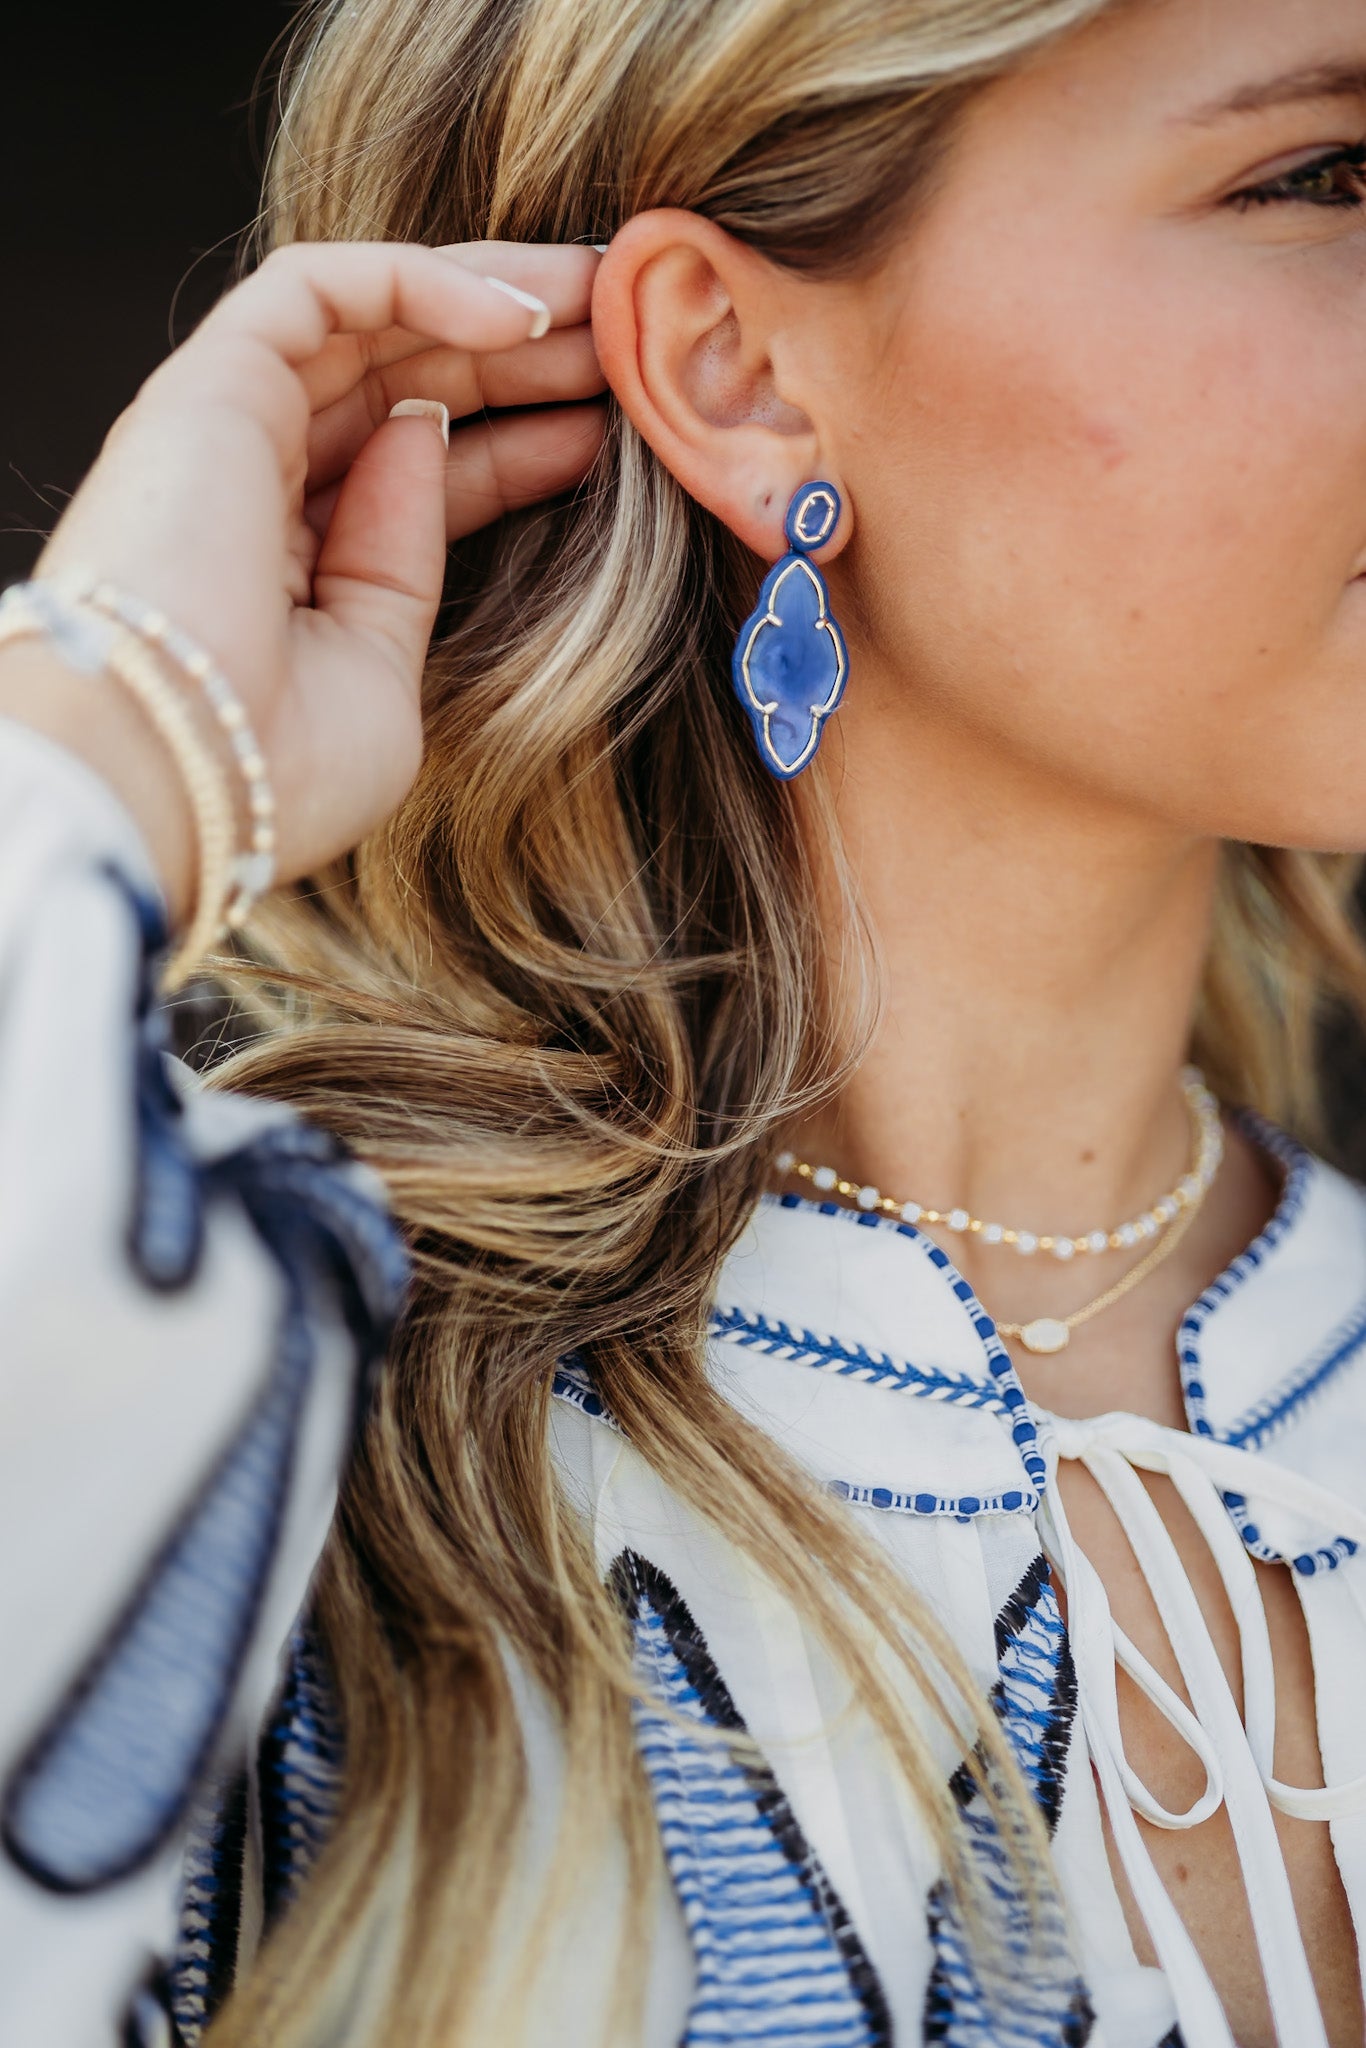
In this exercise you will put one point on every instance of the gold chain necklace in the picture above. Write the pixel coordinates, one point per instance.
(1168, 1220)
(1047, 1334)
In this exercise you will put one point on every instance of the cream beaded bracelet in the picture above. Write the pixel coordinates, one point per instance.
(92, 644)
(253, 869)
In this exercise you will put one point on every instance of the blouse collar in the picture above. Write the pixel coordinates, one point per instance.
(869, 1300)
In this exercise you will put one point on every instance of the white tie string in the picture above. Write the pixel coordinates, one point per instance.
(1235, 1751)
(1091, 1633)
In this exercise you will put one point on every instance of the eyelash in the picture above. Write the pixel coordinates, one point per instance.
(1297, 185)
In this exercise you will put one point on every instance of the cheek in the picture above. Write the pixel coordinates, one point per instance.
(1110, 509)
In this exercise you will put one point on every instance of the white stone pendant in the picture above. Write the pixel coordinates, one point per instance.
(1045, 1334)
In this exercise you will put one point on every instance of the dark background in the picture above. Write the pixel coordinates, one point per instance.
(130, 157)
(129, 160)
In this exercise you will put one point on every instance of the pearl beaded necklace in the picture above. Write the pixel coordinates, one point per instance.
(1185, 1197)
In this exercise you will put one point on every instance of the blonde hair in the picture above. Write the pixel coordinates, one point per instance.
(566, 998)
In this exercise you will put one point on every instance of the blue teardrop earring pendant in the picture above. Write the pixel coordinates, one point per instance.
(790, 663)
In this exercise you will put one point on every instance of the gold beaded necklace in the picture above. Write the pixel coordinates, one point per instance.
(1167, 1221)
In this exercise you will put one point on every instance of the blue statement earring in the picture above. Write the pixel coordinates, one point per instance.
(790, 663)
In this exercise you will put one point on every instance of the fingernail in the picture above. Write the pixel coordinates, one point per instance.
(541, 323)
(601, 248)
(424, 409)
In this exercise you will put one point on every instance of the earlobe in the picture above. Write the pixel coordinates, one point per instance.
(683, 319)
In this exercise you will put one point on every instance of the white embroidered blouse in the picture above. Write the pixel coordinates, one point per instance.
(192, 1291)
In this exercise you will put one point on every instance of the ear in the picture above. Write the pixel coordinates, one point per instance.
(689, 326)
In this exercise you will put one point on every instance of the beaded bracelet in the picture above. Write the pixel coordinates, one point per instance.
(93, 644)
(254, 869)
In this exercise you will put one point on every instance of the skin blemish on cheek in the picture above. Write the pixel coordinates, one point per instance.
(1107, 441)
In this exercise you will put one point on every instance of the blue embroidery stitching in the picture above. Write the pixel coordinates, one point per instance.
(113, 1772)
(165, 1234)
(299, 1774)
(1010, 1395)
(1001, 1395)
(1025, 1991)
(573, 1386)
(299, 1769)
(964, 1508)
(1257, 1424)
(201, 1972)
(115, 1769)
(850, 1361)
(778, 1959)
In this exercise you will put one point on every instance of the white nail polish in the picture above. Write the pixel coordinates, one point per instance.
(601, 247)
(541, 323)
(424, 409)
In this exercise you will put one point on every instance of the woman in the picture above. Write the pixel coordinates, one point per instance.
(748, 1616)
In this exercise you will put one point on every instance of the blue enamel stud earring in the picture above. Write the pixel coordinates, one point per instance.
(790, 662)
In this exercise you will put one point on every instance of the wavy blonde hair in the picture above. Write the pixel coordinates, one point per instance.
(565, 999)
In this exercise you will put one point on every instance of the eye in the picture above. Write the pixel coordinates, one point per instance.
(1335, 179)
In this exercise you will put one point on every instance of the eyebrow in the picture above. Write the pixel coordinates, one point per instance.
(1316, 82)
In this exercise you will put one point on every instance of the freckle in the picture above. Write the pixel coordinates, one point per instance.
(1182, 1874)
(1088, 1158)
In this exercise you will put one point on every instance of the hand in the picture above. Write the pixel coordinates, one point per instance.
(257, 491)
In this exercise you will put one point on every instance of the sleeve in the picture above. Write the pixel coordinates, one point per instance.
(194, 1292)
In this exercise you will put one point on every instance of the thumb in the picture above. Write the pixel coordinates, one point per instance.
(380, 567)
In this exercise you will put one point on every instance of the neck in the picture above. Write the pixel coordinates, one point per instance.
(1039, 957)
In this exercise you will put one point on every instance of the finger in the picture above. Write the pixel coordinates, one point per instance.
(250, 356)
(503, 465)
(561, 368)
(559, 274)
(380, 567)
(561, 279)
(310, 291)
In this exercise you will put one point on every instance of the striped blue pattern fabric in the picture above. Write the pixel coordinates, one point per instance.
(777, 1957)
(1036, 1694)
(298, 1785)
(1021, 1990)
(299, 1774)
(201, 1973)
